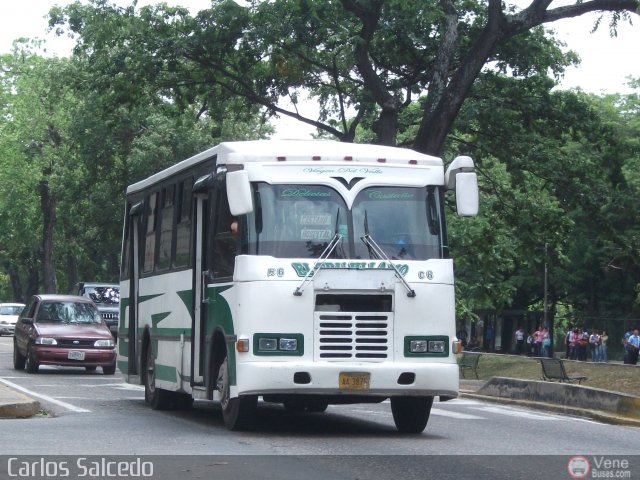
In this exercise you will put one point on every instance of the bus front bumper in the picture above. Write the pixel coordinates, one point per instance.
(349, 379)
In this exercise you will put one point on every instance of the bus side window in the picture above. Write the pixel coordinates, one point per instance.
(224, 241)
(150, 241)
(166, 227)
(183, 224)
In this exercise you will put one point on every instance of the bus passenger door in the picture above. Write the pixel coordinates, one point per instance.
(133, 247)
(200, 280)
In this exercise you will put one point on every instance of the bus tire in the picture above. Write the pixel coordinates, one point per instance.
(18, 359)
(310, 405)
(317, 405)
(411, 414)
(237, 413)
(157, 398)
(182, 401)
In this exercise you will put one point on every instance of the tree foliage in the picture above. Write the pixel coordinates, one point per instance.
(356, 58)
(149, 86)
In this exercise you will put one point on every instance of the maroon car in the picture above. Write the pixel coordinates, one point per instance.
(63, 330)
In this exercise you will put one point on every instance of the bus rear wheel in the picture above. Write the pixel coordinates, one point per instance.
(310, 405)
(157, 398)
(238, 413)
(411, 414)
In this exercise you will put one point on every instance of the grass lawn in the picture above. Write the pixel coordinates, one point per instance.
(609, 376)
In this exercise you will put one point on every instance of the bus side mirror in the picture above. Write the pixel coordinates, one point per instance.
(239, 193)
(461, 177)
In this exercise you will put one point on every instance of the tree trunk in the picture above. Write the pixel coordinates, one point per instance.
(48, 205)
(32, 282)
(16, 286)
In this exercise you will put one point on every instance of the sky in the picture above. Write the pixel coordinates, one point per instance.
(606, 61)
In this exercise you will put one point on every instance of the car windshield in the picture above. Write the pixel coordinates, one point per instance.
(68, 312)
(105, 295)
(11, 310)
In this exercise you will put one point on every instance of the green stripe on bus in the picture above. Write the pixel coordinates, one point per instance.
(145, 298)
(156, 318)
(220, 315)
(187, 298)
(168, 331)
(166, 373)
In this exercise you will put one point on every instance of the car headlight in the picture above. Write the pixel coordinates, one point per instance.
(104, 343)
(46, 341)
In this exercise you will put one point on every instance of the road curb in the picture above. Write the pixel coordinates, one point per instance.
(580, 401)
(18, 406)
(576, 412)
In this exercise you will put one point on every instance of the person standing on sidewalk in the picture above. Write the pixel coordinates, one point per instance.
(604, 356)
(594, 343)
(519, 340)
(633, 347)
(546, 343)
(538, 337)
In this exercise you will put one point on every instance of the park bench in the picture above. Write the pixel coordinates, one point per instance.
(469, 361)
(553, 370)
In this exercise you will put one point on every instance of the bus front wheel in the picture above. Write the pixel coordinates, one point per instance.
(411, 414)
(237, 413)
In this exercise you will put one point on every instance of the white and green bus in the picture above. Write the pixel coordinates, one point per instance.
(305, 273)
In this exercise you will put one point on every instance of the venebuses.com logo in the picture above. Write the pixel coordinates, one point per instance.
(598, 467)
(578, 467)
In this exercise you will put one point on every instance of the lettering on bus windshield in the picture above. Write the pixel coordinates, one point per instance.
(379, 195)
(302, 268)
(303, 193)
(343, 170)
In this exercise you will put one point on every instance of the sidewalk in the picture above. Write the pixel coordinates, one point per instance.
(14, 404)
(568, 399)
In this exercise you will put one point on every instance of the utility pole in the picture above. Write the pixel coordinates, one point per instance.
(545, 301)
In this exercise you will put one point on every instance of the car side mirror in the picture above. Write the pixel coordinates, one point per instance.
(27, 321)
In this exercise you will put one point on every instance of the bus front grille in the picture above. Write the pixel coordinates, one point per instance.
(345, 336)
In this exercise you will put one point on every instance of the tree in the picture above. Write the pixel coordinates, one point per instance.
(36, 107)
(370, 57)
(559, 187)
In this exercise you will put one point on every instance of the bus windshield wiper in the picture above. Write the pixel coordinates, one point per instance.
(318, 265)
(374, 249)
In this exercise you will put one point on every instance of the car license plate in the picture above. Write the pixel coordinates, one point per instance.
(75, 355)
(354, 381)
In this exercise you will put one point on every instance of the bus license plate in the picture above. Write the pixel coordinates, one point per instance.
(354, 381)
(75, 355)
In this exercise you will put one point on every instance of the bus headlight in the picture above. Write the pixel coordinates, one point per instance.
(426, 346)
(268, 344)
(278, 344)
(418, 346)
(288, 344)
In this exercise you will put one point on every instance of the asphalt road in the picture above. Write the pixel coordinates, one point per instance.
(91, 414)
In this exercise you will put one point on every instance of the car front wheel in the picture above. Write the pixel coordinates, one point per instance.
(18, 359)
(31, 364)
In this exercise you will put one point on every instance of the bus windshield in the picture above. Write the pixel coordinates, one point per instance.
(299, 221)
